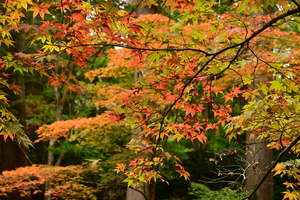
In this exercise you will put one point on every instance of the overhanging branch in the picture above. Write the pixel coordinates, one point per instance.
(287, 149)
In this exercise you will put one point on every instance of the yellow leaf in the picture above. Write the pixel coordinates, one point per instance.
(9, 43)
(288, 185)
(122, 13)
(35, 10)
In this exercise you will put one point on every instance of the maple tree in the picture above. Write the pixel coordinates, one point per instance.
(200, 63)
(64, 179)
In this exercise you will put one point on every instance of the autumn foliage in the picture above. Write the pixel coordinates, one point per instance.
(177, 79)
(65, 180)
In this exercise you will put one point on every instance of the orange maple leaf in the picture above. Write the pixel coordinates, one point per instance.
(8, 134)
(40, 9)
(15, 88)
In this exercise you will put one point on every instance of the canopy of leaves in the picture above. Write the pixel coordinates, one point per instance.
(187, 75)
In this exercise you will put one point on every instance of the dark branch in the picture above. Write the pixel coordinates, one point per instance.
(214, 55)
(287, 149)
(295, 2)
(138, 191)
(140, 48)
(267, 25)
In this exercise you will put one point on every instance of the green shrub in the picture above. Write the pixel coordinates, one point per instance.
(200, 191)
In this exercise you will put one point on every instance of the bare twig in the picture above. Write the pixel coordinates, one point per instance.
(287, 149)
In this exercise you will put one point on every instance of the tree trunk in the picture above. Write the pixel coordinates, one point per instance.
(258, 152)
(60, 104)
(147, 189)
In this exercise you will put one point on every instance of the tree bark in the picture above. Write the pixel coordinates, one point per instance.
(258, 152)
(148, 189)
(60, 104)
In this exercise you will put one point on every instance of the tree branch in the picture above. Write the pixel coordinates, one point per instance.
(253, 35)
(139, 192)
(257, 32)
(287, 149)
(295, 2)
(141, 48)
(214, 55)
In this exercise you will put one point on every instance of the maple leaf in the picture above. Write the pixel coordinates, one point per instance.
(211, 126)
(106, 30)
(134, 27)
(177, 158)
(40, 9)
(202, 138)
(290, 195)
(148, 112)
(5, 74)
(233, 93)
(189, 110)
(177, 136)
(120, 167)
(60, 34)
(16, 88)
(8, 135)
(17, 14)
(236, 91)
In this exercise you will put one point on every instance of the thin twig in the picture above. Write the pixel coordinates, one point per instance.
(287, 149)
